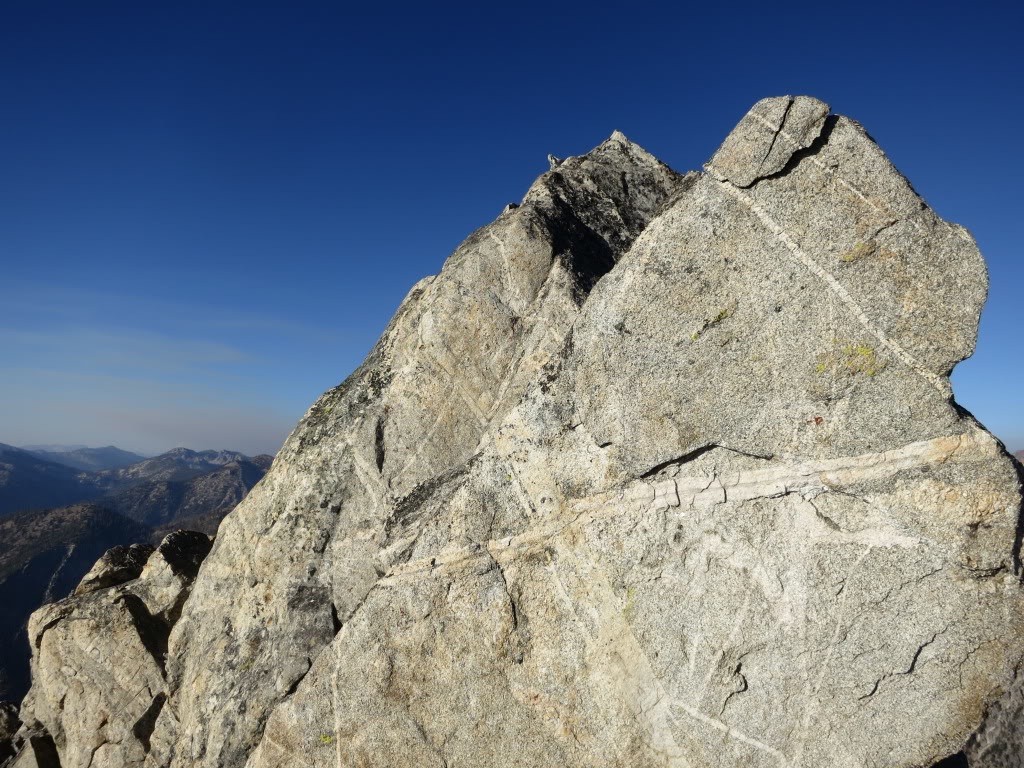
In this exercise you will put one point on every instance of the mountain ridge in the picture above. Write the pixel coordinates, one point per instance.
(90, 459)
(659, 469)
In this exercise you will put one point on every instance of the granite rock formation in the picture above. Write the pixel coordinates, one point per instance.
(659, 470)
(43, 555)
(98, 657)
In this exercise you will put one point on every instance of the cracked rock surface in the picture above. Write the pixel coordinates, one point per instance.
(659, 470)
(331, 518)
(98, 657)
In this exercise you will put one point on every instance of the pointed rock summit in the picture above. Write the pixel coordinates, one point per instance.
(660, 470)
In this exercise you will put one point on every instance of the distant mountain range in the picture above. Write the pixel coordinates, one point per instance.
(87, 459)
(57, 518)
(44, 479)
(29, 482)
(170, 495)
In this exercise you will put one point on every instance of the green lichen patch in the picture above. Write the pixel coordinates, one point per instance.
(850, 359)
(861, 251)
(858, 252)
(722, 315)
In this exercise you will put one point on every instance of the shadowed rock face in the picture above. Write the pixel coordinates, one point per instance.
(659, 471)
(116, 566)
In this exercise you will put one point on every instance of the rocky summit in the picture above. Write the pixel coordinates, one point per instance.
(660, 470)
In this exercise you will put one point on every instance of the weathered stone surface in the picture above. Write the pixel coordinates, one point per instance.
(98, 657)
(167, 579)
(658, 471)
(1000, 741)
(116, 566)
(97, 674)
(768, 136)
(309, 543)
(740, 522)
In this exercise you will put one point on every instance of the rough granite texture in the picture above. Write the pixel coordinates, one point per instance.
(116, 566)
(320, 530)
(98, 657)
(659, 470)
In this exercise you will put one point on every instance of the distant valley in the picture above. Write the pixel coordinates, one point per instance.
(43, 479)
(60, 510)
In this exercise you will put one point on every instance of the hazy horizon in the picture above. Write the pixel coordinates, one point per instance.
(208, 217)
(68, 447)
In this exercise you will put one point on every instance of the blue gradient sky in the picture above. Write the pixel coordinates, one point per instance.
(208, 214)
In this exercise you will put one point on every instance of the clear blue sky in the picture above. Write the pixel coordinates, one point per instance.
(209, 210)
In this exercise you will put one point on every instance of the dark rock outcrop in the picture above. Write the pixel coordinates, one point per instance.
(118, 565)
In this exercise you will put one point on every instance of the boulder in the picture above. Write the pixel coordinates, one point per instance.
(116, 566)
(98, 657)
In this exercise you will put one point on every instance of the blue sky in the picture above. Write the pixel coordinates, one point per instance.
(209, 210)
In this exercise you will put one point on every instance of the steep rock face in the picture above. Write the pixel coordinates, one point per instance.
(659, 471)
(302, 551)
(98, 657)
(738, 522)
